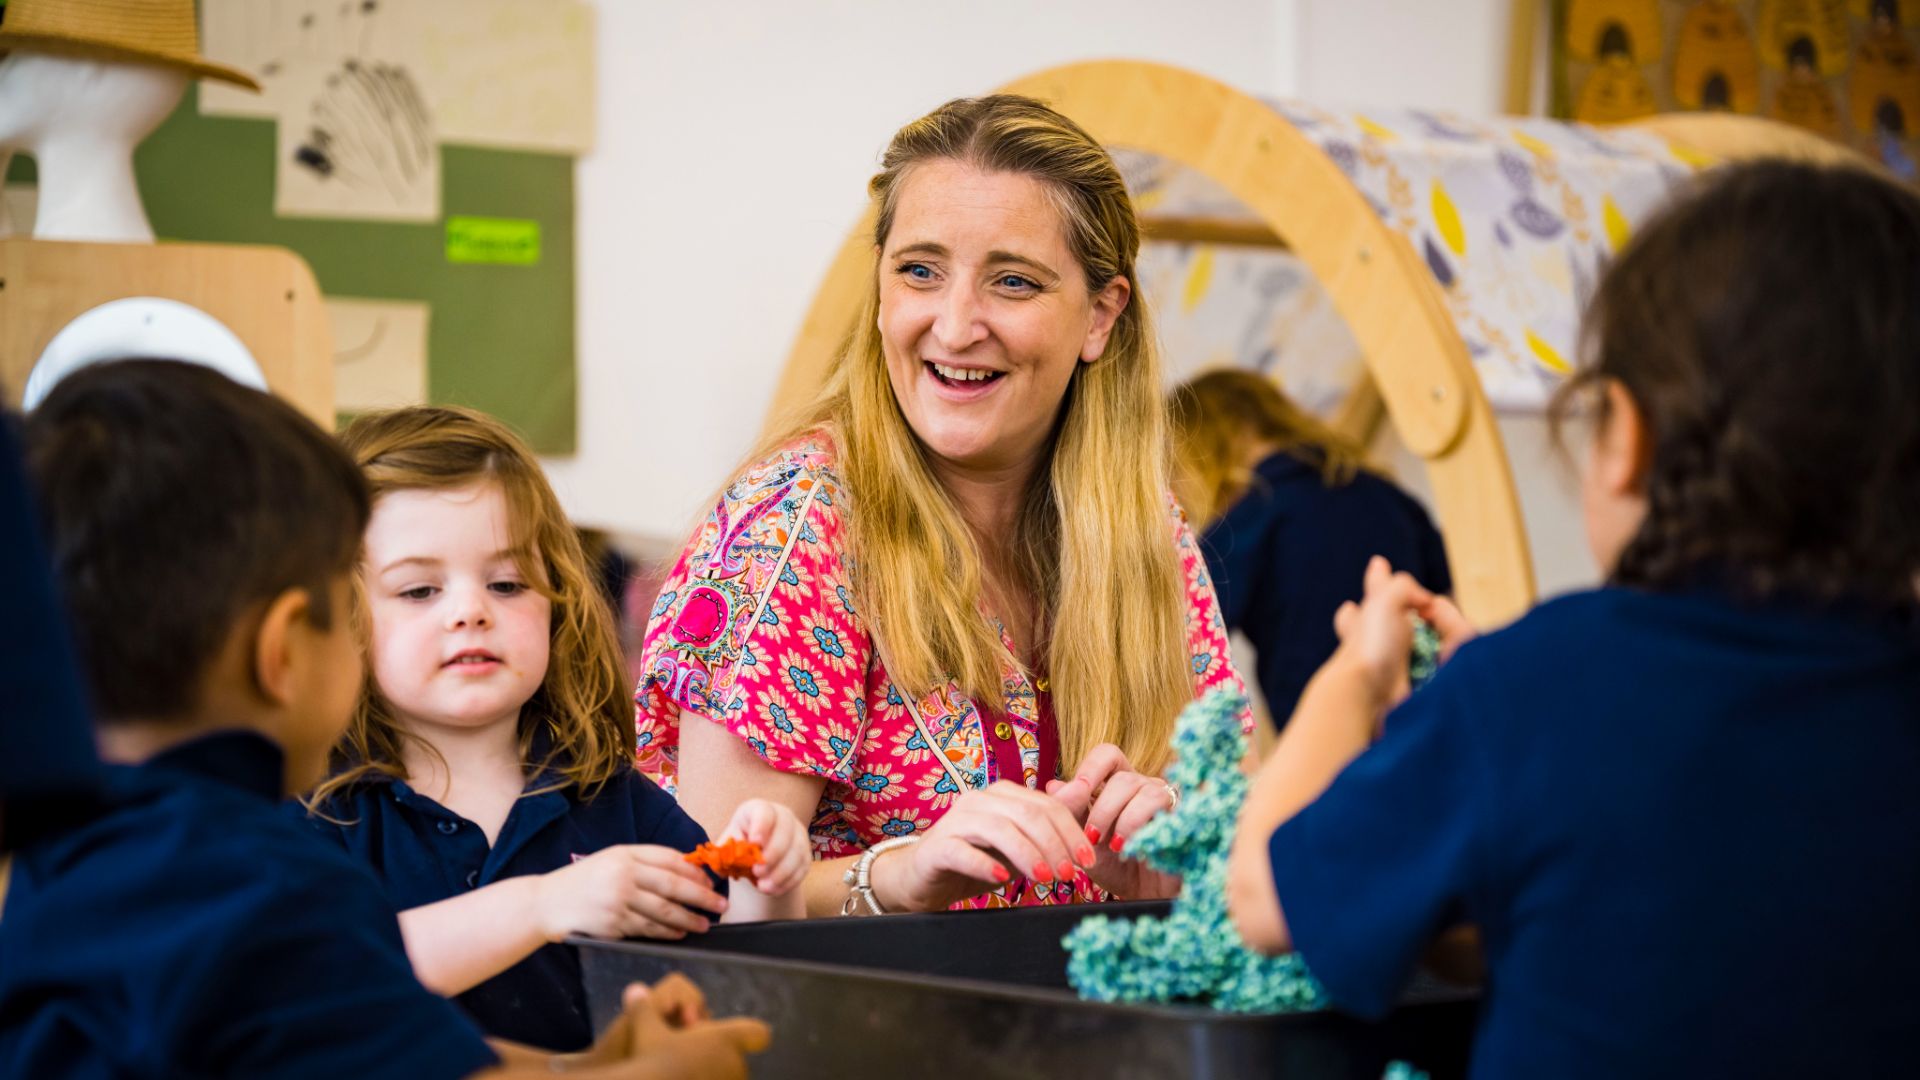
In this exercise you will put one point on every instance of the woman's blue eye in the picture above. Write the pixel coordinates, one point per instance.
(917, 271)
(1015, 281)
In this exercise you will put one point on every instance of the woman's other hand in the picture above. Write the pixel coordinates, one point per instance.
(984, 840)
(1111, 801)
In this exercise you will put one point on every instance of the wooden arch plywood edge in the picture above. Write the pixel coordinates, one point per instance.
(266, 295)
(1385, 293)
(1705, 138)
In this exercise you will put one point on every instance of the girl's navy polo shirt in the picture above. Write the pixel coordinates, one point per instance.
(189, 929)
(1688, 829)
(425, 853)
(1292, 550)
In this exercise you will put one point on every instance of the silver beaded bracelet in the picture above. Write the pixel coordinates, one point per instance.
(860, 877)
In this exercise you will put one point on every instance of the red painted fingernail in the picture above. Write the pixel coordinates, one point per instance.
(1093, 835)
(1085, 855)
(1000, 875)
(1118, 842)
(1066, 871)
(1042, 872)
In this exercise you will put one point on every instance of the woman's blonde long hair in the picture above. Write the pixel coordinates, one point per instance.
(1220, 415)
(582, 703)
(1094, 538)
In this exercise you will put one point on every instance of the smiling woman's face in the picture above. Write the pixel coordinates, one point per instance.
(984, 313)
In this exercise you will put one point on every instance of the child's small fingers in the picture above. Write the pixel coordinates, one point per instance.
(667, 912)
(669, 882)
(1379, 572)
(1345, 617)
(1449, 623)
(1405, 589)
(640, 925)
(679, 1001)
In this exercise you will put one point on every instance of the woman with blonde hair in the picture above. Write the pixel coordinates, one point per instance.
(1288, 518)
(951, 612)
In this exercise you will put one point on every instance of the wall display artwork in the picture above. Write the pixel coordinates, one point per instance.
(499, 73)
(418, 155)
(379, 353)
(1847, 70)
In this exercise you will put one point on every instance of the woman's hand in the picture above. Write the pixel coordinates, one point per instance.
(984, 839)
(1376, 635)
(629, 890)
(1111, 800)
(784, 848)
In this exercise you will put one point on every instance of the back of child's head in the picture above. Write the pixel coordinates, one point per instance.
(1767, 327)
(582, 703)
(176, 503)
(1218, 415)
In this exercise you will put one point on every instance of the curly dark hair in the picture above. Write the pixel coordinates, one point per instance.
(1768, 328)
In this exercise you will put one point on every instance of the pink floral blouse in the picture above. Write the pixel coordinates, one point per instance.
(756, 629)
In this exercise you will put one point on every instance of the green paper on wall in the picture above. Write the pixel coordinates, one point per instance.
(499, 241)
(502, 334)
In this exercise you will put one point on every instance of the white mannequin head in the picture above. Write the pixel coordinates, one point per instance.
(80, 121)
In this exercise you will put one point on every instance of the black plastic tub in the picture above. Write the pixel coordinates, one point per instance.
(984, 994)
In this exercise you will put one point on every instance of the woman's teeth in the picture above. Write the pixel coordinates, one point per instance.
(954, 374)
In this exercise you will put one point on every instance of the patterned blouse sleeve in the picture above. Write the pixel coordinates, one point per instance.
(1208, 651)
(755, 629)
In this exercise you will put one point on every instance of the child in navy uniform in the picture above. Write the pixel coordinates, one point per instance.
(203, 535)
(1681, 808)
(1288, 517)
(487, 776)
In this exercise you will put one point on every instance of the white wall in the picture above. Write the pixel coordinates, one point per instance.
(1440, 54)
(733, 147)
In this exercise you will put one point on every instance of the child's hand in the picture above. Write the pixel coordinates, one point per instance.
(1376, 635)
(666, 1028)
(630, 890)
(784, 847)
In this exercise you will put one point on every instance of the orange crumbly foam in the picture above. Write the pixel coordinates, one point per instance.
(729, 858)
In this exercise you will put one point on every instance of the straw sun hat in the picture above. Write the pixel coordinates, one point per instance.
(146, 31)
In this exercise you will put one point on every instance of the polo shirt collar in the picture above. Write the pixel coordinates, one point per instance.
(242, 759)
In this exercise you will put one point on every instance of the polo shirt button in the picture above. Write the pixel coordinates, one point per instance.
(1003, 731)
(473, 878)
(448, 827)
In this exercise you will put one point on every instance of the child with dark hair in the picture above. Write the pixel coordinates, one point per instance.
(1679, 808)
(204, 536)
